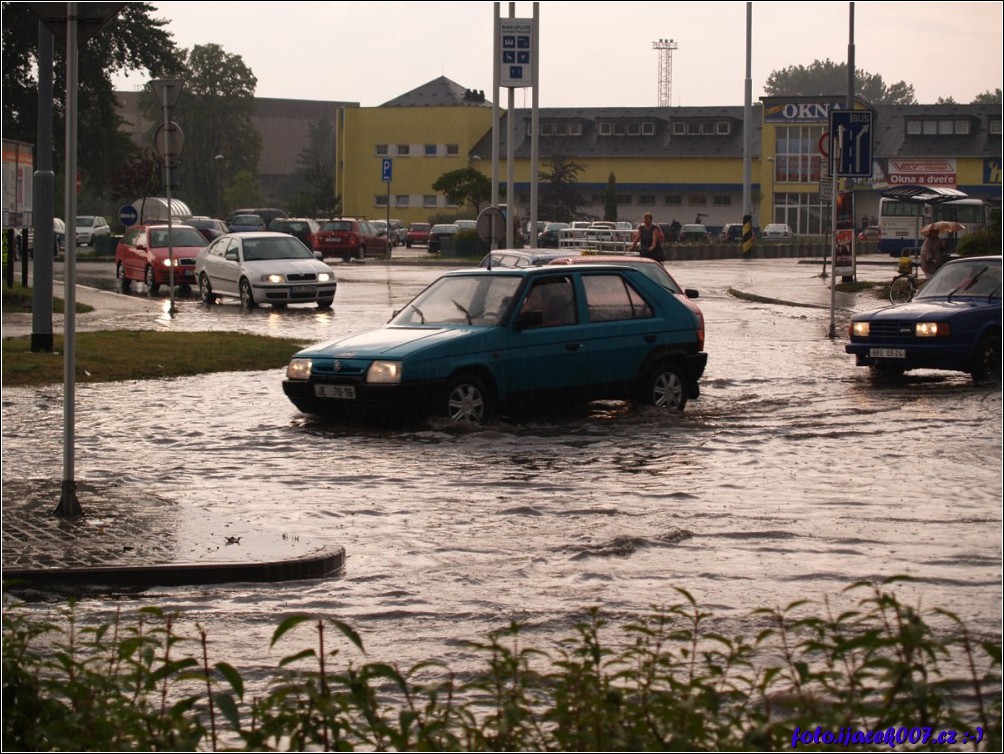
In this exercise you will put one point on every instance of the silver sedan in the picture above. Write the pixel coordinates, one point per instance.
(264, 268)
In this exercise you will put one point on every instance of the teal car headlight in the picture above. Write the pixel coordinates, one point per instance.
(298, 369)
(384, 373)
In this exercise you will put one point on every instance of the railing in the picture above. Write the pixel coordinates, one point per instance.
(596, 240)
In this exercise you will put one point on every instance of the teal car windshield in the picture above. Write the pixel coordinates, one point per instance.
(461, 300)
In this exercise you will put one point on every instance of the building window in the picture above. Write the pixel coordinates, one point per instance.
(403, 150)
(962, 127)
(402, 200)
(429, 200)
(722, 200)
(913, 128)
(723, 127)
(605, 129)
(693, 129)
(697, 200)
(430, 150)
(647, 200)
(797, 157)
(634, 129)
(679, 128)
(597, 199)
(575, 129)
(623, 200)
(381, 150)
(995, 126)
(673, 200)
(708, 129)
(381, 200)
(648, 128)
(452, 150)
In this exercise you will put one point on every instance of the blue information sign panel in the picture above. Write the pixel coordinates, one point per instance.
(516, 46)
(852, 133)
(128, 215)
(386, 169)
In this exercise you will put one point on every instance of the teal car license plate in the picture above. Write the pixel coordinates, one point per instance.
(342, 392)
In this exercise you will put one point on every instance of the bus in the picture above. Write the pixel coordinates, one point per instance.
(900, 219)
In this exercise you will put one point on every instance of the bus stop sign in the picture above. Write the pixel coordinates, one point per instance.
(851, 135)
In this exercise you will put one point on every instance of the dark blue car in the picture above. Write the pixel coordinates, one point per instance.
(476, 342)
(954, 323)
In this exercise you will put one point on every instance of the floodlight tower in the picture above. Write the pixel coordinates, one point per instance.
(665, 48)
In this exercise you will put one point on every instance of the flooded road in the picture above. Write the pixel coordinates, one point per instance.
(791, 477)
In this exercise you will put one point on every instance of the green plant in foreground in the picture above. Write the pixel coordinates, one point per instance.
(669, 683)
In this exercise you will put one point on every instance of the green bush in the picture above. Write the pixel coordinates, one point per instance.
(982, 242)
(670, 683)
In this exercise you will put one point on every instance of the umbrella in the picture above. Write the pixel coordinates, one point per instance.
(943, 226)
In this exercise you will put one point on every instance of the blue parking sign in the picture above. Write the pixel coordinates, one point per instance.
(386, 169)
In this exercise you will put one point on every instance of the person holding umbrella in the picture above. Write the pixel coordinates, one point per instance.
(932, 252)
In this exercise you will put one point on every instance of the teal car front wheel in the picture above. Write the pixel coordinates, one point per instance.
(469, 400)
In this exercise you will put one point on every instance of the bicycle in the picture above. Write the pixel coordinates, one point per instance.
(905, 285)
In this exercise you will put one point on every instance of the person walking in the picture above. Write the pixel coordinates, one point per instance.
(648, 238)
(932, 252)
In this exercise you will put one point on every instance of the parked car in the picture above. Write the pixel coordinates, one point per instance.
(264, 268)
(145, 254)
(398, 233)
(651, 267)
(58, 235)
(210, 227)
(471, 225)
(90, 228)
(776, 232)
(550, 236)
(350, 238)
(267, 214)
(246, 224)
(440, 233)
(953, 323)
(302, 228)
(731, 232)
(871, 233)
(418, 233)
(513, 258)
(479, 342)
(694, 233)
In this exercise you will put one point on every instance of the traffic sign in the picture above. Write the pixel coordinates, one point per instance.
(386, 169)
(852, 135)
(128, 215)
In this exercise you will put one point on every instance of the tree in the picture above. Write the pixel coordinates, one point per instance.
(316, 196)
(828, 78)
(988, 97)
(560, 200)
(243, 191)
(132, 40)
(610, 199)
(464, 186)
(214, 113)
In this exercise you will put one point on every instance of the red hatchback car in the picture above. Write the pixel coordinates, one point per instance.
(349, 238)
(144, 255)
(418, 233)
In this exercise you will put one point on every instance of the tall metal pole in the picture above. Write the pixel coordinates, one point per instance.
(68, 503)
(44, 202)
(170, 208)
(748, 116)
(509, 158)
(535, 125)
(496, 135)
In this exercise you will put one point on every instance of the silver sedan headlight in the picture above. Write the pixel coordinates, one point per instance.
(273, 279)
(298, 369)
(324, 277)
(384, 373)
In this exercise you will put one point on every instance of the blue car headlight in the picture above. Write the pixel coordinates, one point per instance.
(299, 369)
(384, 373)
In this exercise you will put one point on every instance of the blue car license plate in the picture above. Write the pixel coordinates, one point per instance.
(887, 353)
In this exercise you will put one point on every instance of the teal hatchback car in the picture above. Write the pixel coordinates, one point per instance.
(478, 343)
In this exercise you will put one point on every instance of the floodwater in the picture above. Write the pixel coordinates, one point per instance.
(792, 476)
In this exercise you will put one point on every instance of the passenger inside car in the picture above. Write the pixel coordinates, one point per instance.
(555, 301)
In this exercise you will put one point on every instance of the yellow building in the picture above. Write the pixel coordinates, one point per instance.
(422, 134)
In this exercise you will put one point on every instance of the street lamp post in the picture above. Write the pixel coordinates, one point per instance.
(169, 142)
(770, 164)
(217, 160)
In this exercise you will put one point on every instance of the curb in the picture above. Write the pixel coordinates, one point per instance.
(325, 562)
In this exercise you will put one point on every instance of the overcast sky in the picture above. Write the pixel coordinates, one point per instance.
(592, 54)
